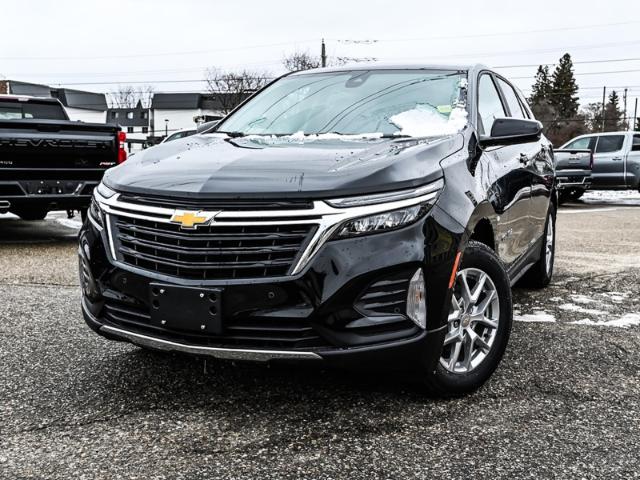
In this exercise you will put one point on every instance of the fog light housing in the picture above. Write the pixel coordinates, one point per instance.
(417, 300)
(87, 282)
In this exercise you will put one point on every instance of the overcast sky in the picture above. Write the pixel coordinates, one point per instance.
(169, 44)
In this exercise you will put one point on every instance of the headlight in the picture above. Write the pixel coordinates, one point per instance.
(95, 212)
(104, 191)
(380, 221)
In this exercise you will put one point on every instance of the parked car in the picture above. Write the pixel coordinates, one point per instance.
(616, 159)
(186, 132)
(368, 217)
(48, 162)
(573, 172)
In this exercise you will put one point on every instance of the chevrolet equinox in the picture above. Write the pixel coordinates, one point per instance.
(367, 217)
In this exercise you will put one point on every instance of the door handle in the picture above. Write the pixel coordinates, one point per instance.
(616, 159)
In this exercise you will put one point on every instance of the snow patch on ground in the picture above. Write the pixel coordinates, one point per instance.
(70, 223)
(627, 320)
(618, 197)
(582, 299)
(536, 317)
(577, 308)
(426, 121)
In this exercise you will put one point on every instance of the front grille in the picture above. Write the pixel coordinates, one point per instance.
(213, 252)
(288, 334)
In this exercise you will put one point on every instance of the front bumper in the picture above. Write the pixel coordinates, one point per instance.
(315, 315)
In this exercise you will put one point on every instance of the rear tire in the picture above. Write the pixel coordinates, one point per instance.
(33, 213)
(539, 275)
(478, 325)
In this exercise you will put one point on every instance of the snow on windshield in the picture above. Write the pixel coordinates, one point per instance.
(427, 121)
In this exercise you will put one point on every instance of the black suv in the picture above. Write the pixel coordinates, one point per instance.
(368, 217)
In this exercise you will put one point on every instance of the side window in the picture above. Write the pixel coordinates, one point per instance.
(582, 144)
(609, 143)
(489, 104)
(512, 99)
(635, 147)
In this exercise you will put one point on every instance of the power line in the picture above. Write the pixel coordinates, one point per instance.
(612, 60)
(162, 54)
(499, 34)
(584, 73)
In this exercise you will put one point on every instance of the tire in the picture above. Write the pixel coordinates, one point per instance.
(576, 193)
(33, 213)
(540, 274)
(570, 195)
(465, 373)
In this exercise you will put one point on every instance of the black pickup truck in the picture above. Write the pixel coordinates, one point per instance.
(48, 162)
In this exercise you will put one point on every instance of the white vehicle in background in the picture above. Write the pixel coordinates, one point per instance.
(185, 132)
(616, 159)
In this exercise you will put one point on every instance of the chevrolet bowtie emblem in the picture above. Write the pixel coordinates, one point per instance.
(190, 219)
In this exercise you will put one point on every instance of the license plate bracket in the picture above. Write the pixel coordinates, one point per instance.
(190, 309)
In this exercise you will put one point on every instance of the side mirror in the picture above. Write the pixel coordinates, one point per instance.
(509, 131)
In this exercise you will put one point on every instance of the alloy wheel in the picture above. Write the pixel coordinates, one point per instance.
(548, 250)
(473, 321)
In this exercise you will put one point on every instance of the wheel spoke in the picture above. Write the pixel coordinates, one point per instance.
(481, 308)
(456, 309)
(455, 354)
(468, 350)
(466, 293)
(481, 319)
(478, 288)
(478, 340)
(451, 337)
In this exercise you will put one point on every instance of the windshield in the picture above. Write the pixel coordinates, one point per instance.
(373, 102)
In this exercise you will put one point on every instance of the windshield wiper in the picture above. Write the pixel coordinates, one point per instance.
(395, 135)
(232, 134)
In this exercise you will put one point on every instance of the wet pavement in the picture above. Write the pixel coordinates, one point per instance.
(565, 402)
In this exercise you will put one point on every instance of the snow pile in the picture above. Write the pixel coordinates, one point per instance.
(627, 320)
(426, 121)
(536, 317)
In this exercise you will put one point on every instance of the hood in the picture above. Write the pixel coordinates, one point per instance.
(211, 166)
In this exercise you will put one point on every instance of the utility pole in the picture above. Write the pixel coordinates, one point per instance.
(323, 54)
(625, 122)
(635, 116)
(604, 96)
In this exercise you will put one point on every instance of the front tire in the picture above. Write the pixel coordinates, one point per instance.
(478, 324)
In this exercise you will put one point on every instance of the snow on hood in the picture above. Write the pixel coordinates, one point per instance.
(426, 121)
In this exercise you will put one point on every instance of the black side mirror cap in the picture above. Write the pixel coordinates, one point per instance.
(509, 131)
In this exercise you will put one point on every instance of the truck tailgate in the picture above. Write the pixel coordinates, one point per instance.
(566, 159)
(28, 144)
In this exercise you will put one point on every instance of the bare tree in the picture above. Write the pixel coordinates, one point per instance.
(300, 61)
(231, 88)
(128, 96)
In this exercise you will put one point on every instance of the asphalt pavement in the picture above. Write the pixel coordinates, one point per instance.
(565, 402)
